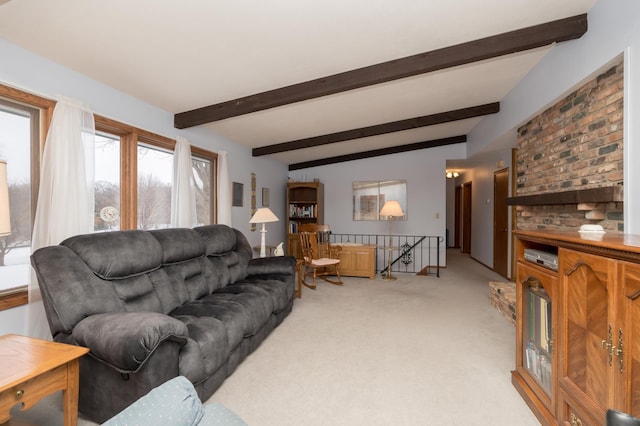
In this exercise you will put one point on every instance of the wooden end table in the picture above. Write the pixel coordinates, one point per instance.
(299, 278)
(32, 368)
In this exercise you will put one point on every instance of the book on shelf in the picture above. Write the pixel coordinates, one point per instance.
(304, 211)
(539, 320)
(538, 364)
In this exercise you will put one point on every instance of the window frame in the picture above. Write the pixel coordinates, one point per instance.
(129, 138)
(20, 295)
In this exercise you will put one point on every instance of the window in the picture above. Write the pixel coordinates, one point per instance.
(125, 156)
(203, 175)
(142, 199)
(107, 182)
(155, 173)
(21, 117)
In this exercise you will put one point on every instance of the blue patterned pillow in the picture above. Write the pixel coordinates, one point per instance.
(216, 414)
(174, 403)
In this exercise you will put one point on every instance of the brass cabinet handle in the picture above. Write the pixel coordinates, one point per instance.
(575, 421)
(19, 394)
(619, 351)
(607, 345)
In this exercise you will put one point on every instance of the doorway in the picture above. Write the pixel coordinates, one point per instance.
(501, 222)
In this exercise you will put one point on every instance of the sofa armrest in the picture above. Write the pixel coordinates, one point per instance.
(125, 340)
(285, 265)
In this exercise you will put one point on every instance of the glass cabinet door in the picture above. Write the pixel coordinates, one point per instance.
(537, 338)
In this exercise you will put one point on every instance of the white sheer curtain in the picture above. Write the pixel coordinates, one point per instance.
(224, 190)
(66, 194)
(183, 193)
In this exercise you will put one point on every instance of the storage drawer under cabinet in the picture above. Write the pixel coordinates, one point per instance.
(572, 415)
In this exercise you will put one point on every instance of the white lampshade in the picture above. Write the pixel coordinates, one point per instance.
(5, 221)
(391, 208)
(264, 215)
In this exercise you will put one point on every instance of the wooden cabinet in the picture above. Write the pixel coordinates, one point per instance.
(357, 260)
(305, 204)
(535, 376)
(627, 379)
(596, 323)
(587, 292)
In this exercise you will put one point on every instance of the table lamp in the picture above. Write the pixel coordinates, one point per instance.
(390, 209)
(263, 215)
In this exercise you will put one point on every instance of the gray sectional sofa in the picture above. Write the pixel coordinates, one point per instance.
(152, 305)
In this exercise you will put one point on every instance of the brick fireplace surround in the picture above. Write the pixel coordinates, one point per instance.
(569, 160)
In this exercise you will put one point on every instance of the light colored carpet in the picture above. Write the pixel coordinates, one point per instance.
(417, 351)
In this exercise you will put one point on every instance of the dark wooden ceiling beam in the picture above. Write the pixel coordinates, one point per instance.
(489, 47)
(380, 129)
(378, 152)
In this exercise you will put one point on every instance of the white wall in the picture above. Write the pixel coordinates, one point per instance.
(482, 202)
(424, 171)
(614, 29)
(32, 73)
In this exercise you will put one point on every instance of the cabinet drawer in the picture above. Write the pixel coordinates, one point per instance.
(572, 415)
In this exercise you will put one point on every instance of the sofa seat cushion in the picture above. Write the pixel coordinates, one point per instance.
(279, 292)
(207, 347)
(242, 314)
(254, 299)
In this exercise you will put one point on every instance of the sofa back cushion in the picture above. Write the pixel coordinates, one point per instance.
(117, 255)
(70, 289)
(228, 252)
(123, 260)
(184, 265)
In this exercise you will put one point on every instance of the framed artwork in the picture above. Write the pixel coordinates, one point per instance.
(237, 194)
(370, 196)
(265, 197)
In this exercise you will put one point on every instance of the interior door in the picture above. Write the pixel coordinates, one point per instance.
(458, 214)
(501, 222)
(466, 217)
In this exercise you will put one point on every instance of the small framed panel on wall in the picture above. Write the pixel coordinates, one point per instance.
(237, 194)
(265, 197)
(370, 196)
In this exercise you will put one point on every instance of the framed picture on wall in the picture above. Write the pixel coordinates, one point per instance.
(265, 197)
(237, 194)
(370, 196)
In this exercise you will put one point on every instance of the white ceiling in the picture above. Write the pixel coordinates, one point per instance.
(182, 55)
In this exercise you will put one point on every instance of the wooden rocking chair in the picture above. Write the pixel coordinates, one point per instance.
(319, 257)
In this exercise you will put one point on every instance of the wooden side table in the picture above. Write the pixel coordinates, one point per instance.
(299, 278)
(32, 368)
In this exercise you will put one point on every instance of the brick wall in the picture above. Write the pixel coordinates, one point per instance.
(575, 144)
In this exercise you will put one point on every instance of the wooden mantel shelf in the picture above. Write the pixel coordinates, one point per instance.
(591, 195)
